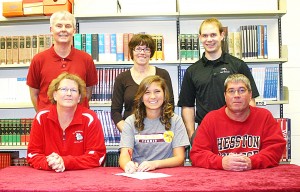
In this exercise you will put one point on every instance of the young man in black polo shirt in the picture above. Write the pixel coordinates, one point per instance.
(204, 80)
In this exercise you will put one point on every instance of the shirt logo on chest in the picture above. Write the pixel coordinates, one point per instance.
(224, 70)
(150, 138)
(78, 137)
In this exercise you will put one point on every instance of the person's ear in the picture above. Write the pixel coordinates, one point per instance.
(222, 35)
(79, 99)
(54, 95)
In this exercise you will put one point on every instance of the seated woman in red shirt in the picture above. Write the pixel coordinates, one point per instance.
(66, 136)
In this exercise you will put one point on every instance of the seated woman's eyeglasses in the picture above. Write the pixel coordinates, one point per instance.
(65, 90)
(240, 91)
(140, 49)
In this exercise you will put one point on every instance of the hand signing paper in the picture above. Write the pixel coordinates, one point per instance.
(131, 167)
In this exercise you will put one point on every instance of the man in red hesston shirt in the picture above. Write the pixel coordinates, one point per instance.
(238, 137)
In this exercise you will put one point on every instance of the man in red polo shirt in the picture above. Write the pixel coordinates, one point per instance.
(61, 57)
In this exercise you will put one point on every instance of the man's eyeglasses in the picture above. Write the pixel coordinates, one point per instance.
(140, 49)
(240, 91)
(66, 90)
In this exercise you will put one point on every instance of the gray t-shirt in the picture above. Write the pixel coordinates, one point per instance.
(154, 142)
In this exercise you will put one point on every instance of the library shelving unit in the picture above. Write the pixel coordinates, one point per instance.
(170, 25)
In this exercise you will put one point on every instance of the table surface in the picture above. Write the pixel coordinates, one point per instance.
(281, 178)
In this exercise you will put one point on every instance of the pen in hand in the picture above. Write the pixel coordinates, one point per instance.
(130, 154)
(131, 166)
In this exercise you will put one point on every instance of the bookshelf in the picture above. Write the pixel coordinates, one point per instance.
(170, 25)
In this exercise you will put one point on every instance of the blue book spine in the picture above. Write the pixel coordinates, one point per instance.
(276, 76)
(77, 41)
(101, 46)
(265, 42)
(88, 44)
(113, 47)
(289, 140)
(120, 47)
(266, 84)
(258, 41)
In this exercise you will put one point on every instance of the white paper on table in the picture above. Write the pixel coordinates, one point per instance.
(144, 175)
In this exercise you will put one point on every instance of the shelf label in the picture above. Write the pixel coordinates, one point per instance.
(261, 103)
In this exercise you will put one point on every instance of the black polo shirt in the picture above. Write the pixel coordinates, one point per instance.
(204, 81)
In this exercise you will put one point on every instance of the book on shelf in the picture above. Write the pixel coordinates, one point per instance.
(285, 125)
(9, 50)
(28, 47)
(265, 47)
(267, 82)
(154, 37)
(244, 42)
(34, 45)
(88, 43)
(106, 47)
(120, 46)
(237, 44)
(15, 49)
(159, 47)
(112, 158)
(259, 41)
(224, 42)
(271, 83)
(48, 41)
(2, 50)
(111, 133)
(195, 46)
(19, 161)
(231, 43)
(188, 46)
(15, 132)
(113, 47)
(83, 42)
(181, 70)
(5, 160)
(101, 39)
(102, 93)
(14, 90)
(41, 43)
(22, 50)
(77, 41)
(254, 41)
(95, 47)
(182, 46)
(249, 47)
(125, 46)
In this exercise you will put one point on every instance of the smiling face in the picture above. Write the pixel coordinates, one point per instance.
(211, 38)
(153, 98)
(67, 94)
(62, 30)
(141, 55)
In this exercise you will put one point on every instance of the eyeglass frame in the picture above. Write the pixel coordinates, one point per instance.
(240, 91)
(139, 49)
(66, 90)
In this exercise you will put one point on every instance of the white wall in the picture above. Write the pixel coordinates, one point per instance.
(291, 72)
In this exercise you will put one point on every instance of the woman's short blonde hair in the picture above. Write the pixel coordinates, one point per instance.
(65, 75)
